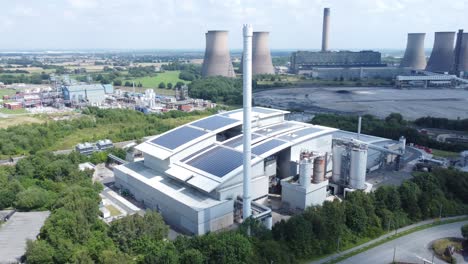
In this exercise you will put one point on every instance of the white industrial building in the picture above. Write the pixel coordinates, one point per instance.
(193, 174)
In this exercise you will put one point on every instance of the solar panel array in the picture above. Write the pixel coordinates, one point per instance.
(218, 161)
(178, 137)
(196, 153)
(214, 122)
(239, 141)
(267, 146)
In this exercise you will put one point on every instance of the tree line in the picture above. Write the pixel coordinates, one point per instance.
(393, 126)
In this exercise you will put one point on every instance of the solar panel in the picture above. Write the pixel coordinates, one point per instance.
(267, 146)
(238, 141)
(196, 153)
(276, 128)
(214, 122)
(178, 137)
(218, 161)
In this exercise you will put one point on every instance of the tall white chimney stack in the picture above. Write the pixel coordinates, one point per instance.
(247, 90)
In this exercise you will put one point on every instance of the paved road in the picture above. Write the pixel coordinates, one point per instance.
(335, 256)
(412, 248)
(15, 232)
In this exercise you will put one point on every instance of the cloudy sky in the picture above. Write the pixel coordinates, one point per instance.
(181, 24)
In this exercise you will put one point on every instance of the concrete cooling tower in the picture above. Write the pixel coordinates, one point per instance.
(414, 54)
(217, 61)
(261, 56)
(442, 57)
(464, 53)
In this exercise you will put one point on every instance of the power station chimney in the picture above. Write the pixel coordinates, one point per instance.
(441, 59)
(217, 61)
(247, 137)
(261, 57)
(326, 29)
(464, 53)
(414, 54)
(457, 53)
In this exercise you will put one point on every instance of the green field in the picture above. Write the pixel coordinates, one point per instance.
(153, 81)
(12, 112)
(4, 91)
(444, 154)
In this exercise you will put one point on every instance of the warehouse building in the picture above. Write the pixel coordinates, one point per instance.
(193, 176)
(86, 94)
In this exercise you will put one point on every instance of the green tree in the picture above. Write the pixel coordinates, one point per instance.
(32, 198)
(464, 231)
(192, 256)
(162, 85)
(39, 252)
(169, 85)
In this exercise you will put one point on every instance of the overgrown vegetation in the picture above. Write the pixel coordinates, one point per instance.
(217, 89)
(393, 126)
(115, 124)
(442, 123)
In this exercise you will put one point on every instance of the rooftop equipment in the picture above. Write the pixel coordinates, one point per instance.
(442, 55)
(217, 61)
(414, 54)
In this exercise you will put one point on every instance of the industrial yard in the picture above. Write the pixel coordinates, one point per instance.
(378, 101)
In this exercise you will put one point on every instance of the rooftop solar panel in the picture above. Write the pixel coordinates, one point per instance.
(178, 137)
(214, 122)
(218, 161)
(276, 128)
(238, 141)
(196, 153)
(267, 146)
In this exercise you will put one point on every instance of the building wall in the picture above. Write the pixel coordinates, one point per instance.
(177, 214)
(297, 196)
(320, 144)
(355, 73)
(155, 163)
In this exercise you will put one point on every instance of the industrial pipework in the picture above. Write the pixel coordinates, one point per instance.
(414, 57)
(325, 29)
(442, 55)
(247, 138)
(217, 60)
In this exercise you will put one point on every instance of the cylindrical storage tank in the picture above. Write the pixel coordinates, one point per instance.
(305, 172)
(414, 54)
(319, 169)
(357, 171)
(217, 60)
(464, 53)
(336, 163)
(442, 58)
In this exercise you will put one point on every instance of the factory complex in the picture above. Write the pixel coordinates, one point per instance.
(193, 174)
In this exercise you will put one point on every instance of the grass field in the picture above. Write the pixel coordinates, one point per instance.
(153, 81)
(439, 246)
(18, 120)
(4, 91)
(113, 211)
(444, 154)
(13, 112)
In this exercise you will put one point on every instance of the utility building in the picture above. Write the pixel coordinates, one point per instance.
(86, 94)
(193, 174)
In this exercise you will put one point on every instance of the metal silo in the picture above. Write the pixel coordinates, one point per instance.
(357, 172)
(319, 169)
(442, 57)
(337, 162)
(305, 172)
(414, 54)
(217, 60)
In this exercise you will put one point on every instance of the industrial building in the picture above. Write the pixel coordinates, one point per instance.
(303, 62)
(90, 94)
(193, 174)
(414, 57)
(217, 60)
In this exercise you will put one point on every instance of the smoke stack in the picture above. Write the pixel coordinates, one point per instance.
(414, 54)
(326, 29)
(464, 53)
(261, 57)
(247, 136)
(441, 59)
(217, 61)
